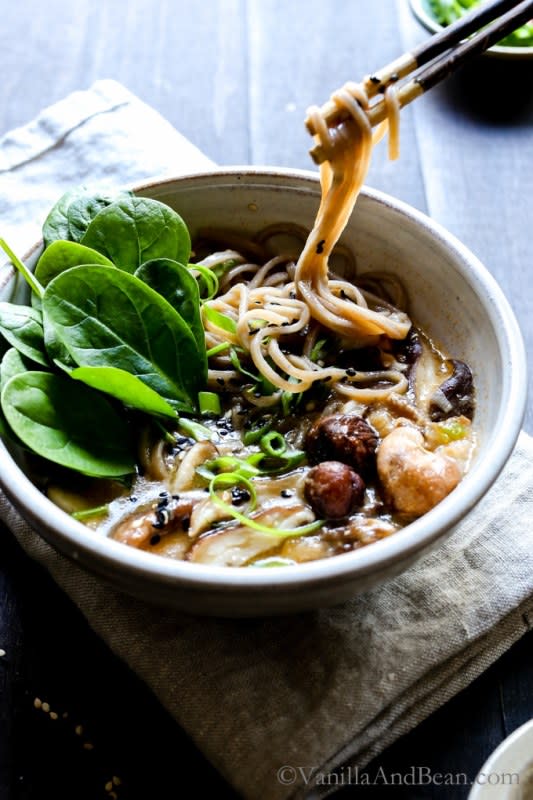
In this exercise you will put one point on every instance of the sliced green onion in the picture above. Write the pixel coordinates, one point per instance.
(318, 350)
(273, 444)
(28, 276)
(209, 404)
(223, 267)
(227, 479)
(194, 429)
(218, 319)
(289, 400)
(289, 460)
(88, 513)
(208, 281)
(451, 431)
(218, 348)
(254, 434)
(257, 325)
(167, 436)
(234, 358)
(225, 464)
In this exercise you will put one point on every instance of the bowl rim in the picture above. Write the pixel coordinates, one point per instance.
(506, 759)
(110, 557)
(510, 52)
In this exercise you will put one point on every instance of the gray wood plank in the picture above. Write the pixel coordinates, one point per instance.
(186, 59)
(476, 135)
(303, 50)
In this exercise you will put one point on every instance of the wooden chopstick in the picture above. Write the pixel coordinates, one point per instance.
(443, 45)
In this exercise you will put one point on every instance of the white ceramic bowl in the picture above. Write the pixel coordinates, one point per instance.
(508, 772)
(422, 11)
(453, 297)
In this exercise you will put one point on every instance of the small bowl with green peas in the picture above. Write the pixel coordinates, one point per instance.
(438, 14)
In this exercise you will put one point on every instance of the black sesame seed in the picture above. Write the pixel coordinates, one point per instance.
(133, 498)
(185, 522)
(292, 295)
(374, 79)
(155, 539)
(223, 432)
(351, 373)
(320, 247)
(181, 440)
(327, 378)
(286, 493)
(220, 381)
(239, 496)
(175, 497)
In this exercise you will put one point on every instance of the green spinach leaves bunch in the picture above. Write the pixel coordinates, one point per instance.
(114, 322)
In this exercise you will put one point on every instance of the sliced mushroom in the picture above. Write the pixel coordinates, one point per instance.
(204, 515)
(155, 519)
(233, 547)
(185, 477)
(409, 349)
(238, 545)
(454, 397)
(175, 545)
(306, 548)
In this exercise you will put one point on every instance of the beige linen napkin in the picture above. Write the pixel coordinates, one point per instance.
(279, 704)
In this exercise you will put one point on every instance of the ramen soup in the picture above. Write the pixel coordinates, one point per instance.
(233, 402)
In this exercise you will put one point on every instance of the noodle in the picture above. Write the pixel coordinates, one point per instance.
(271, 305)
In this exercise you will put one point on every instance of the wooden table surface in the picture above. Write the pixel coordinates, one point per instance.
(235, 76)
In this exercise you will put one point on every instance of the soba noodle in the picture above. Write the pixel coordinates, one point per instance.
(286, 306)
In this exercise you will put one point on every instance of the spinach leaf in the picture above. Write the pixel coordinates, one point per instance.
(73, 212)
(107, 318)
(56, 223)
(127, 388)
(22, 327)
(61, 255)
(13, 363)
(56, 350)
(133, 230)
(179, 288)
(84, 208)
(68, 423)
